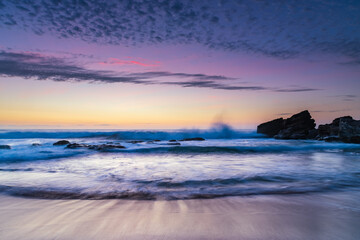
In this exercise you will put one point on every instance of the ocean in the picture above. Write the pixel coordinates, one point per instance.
(228, 162)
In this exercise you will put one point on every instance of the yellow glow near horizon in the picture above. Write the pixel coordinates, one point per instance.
(28, 103)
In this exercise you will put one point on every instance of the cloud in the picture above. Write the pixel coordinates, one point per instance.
(275, 29)
(331, 111)
(41, 67)
(284, 114)
(29, 65)
(347, 97)
(214, 85)
(144, 63)
(290, 90)
(45, 67)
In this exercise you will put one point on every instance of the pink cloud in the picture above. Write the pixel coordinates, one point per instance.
(142, 62)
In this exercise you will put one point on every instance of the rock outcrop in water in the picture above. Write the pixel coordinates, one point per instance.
(344, 129)
(135, 141)
(298, 126)
(105, 147)
(101, 147)
(76, 145)
(5, 147)
(193, 139)
(61, 143)
(271, 128)
(302, 126)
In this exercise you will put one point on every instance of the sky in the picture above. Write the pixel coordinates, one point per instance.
(164, 64)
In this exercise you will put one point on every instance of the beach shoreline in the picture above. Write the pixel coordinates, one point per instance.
(311, 216)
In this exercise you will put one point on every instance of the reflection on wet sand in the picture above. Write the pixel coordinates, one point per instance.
(334, 216)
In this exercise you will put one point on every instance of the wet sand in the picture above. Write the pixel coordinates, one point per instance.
(335, 216)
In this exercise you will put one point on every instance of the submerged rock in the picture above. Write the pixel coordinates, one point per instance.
(36, 144)
(172, 140)
(298, 126)
(104, 147)
(135, 141)
(61, 143)
(193, 139)
(5, 147)
(174, 143)
(76, 145)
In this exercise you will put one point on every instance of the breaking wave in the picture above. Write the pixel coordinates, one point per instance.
(218, 131)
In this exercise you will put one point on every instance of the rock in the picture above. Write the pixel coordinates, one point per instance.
(61, 143)
(105, 147)
(332, 129)
(355, 139)
(349, 130)
(172, 140)
(5, 147)
(76, 145)
(36, 144)
(331, 139)
(174, 143)
(271, 128)
(313, 133)
(193, 139)
(345, 129)
(135, 141)
(298, 126)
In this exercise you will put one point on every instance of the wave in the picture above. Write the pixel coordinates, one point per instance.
(166, 189)
(239, 149)
(218, 131)
(218, 182)
(204, 193)
(28, 153)
(36, 156)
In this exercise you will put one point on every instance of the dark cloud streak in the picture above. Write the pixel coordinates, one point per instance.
(42, 67)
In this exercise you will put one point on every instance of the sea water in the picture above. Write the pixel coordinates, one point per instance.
(228, 163)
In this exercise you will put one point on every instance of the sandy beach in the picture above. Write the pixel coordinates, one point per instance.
(334, 216)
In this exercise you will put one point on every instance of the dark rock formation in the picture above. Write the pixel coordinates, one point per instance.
(331, 139)
(271, 128)
(344, 129)
(36, 144)
(332, 129)
(302, 126)
(135, 141)
(298, 126)
(105, 147)
(193, 139)
(101, 147)
(61, 143)
(174, 143)
(76, 145)
(5, 147)
(172, 140)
